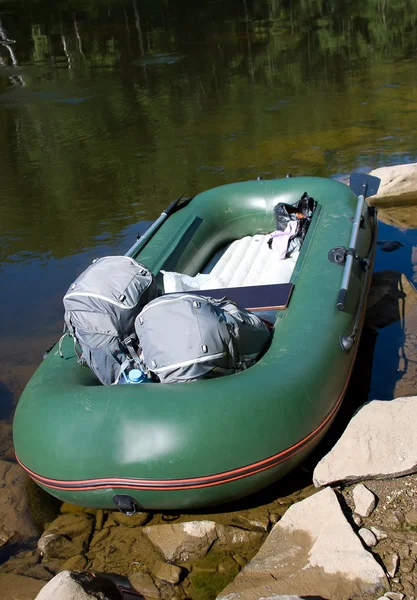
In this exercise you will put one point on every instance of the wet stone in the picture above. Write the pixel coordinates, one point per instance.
(68, 508)
(67, 536)
(240, 560)
(234, 538)
(136, 520)
(167, 572)
(181, 541)
(4, 538)
(39, 572)
(124, 550)
(99, 520)
(99, 536)
(53, 565)
(16, 521)
(110, 522)
(20, 563)
(75, 563)
(20, 587)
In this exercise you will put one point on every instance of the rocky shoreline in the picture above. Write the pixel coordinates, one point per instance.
(348, 531)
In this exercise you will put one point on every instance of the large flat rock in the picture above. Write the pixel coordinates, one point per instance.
(380, 441)
(398, 185)
(312, 551)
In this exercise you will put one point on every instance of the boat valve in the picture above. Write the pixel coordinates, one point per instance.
(346, 342)
(337, 255)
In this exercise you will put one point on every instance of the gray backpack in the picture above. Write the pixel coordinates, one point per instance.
(100, 310)
(185, 337)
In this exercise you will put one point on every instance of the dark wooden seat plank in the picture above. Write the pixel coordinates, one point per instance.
(255, 297)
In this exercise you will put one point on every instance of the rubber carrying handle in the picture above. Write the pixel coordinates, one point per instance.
(341, 299)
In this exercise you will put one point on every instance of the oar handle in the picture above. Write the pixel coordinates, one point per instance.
(143, 240)
(341, 298)
(351, 252)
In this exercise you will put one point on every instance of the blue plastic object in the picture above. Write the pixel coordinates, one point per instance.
(136, 376)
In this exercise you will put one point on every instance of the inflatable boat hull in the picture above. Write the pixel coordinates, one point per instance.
(183, 446)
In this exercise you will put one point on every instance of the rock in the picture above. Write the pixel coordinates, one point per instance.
(403, 217)
(139, 518)
(53, 565)
(395, 422)
(388, 290)
(408, 588)
(6, 442)
(21, 563)
(19, 587)
(411, 517)
(378, 533)
(407, 565)
(75, 563)
(391, 564)
(240, 560)
(253, 519)
(122, 550)
(79, 586)
(167, 573)
(398, 185)
(394, 595)
(16, 522)
(235, 539)
(38, 572)
(99, 520)
(389, 245)
(395, 518)
(357, 519)
(67, 507)
(368, 537)
(180, 542)
(311, 551)
(144, 584)
(4, 538)
(393, 298)
(67, 536)
(364, 500)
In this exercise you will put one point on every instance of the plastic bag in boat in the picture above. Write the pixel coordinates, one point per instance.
(100, 311)
(301, 212)
(179, 282)
(186, 337)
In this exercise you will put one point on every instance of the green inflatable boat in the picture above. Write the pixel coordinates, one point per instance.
(188, 445)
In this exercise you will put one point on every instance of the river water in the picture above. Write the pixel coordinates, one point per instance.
(111, 109)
